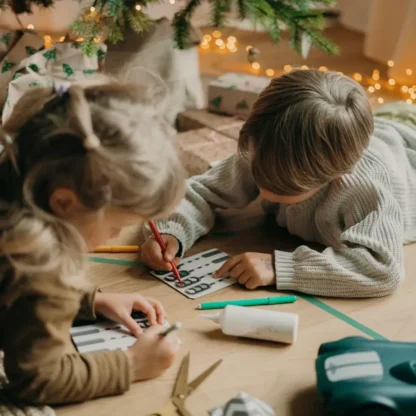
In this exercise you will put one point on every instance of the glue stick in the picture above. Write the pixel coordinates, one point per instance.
(257, 323)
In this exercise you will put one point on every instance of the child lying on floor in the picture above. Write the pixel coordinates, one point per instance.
(331, 173)
(78, 165)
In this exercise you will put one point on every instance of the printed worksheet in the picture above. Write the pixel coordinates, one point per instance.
(196, 273)
(105, 335)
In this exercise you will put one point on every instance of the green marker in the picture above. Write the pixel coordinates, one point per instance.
(275, 300)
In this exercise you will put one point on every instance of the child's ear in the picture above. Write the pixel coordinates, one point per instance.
(64, 202)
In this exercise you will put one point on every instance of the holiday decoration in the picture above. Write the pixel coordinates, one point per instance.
(252, 54)
(43, 68)
(201, 149)
(107, 19)
(235, 93)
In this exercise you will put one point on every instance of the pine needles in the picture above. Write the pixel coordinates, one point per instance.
(107, 19)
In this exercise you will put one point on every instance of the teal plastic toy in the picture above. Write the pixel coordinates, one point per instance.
(361, 377)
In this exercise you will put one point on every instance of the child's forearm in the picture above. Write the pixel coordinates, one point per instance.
(347, 273)
(74, 378)
(227, 185)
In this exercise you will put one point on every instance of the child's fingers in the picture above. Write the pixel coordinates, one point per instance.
(146, 307)
(244, 278)
(227, 266)
(130, 324)
(172, 248)
(160, 311)
(251, 283)
(238, 270)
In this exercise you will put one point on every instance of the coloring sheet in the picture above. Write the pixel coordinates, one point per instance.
(104, 335)
(196, 273)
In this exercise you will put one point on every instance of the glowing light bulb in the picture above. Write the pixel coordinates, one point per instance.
(304, 67)
(409, 71)
(269, 72)
(358, 77)
(392, 81)
(390, 63)
(248, 48)
(287, 68)
(207, 38)
(323, 68)
(47, 38)
(377, 86)
(219, 42)
(409, 101)
(62, 38)
(376, 75)
(30, 27)
(233, 49)
(371, 89)
(92, 9)
(411, 90)
(380, 100)
(204, 46)
(405, 88)
(222, 46)
(232, 39)
(230, 45)
(138, 7)
(216, 34)
(255, 65)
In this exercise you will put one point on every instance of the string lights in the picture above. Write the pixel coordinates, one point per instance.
(374, 84)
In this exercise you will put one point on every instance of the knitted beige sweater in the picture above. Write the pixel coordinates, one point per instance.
(363, 219)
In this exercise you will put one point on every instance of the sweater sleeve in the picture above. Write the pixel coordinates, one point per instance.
(87, 310)
(41, 363)
(227, 185)
(367, 263)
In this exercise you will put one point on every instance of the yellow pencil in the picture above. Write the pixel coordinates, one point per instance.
(117, 249)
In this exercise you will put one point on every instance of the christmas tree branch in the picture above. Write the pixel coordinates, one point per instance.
(107, 19)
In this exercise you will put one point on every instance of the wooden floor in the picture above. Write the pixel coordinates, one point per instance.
(282, 375)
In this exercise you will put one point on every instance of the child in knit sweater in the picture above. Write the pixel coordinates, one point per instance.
(331, 173)
(78, 164)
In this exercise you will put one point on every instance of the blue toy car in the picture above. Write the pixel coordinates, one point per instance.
(361, 377)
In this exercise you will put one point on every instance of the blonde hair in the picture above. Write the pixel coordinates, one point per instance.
(105, 142)
(306, 128)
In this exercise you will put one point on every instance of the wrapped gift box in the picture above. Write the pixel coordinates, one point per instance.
(235, 94)
(201, 149)
(229, 126)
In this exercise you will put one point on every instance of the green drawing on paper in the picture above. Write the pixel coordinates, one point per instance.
(242, 105)
(100, 54)
(7, 66)
(216, 102)
(34, 68)
(50, 55)
(88, 72)
(30, 50)
(68, 71)
(6, 38)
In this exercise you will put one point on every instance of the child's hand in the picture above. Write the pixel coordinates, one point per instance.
(152, 354)
(151, 253)
(119, 306)
(250, 269)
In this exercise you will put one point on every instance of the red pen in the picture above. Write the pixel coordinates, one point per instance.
(160, 241)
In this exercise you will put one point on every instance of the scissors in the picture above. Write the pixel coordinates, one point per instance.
(182, 389)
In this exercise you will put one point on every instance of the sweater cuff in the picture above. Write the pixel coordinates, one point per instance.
(174, 229)
(285, 270)
(87, 305)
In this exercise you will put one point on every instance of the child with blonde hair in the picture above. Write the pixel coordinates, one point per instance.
(330, 172)
(78, 165)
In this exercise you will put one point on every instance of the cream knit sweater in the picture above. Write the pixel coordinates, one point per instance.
(363, 219)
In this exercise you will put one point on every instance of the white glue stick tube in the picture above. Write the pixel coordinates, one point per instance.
(257, 323)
